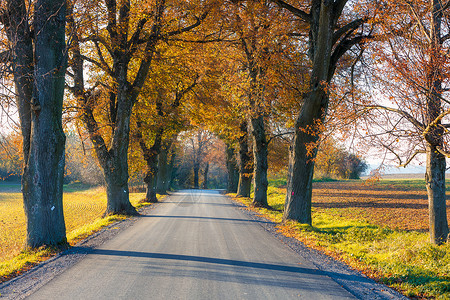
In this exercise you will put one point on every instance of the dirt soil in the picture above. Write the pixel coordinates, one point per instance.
(390, 206)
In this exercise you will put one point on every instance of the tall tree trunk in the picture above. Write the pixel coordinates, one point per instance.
(435, 181)
(314, 109)
(172, 170)
(435, 169)
(115, 161)
(233, 170)
(164, 172)
(113, 156)
(22, 56)
(150, 182)
(205, 177)
(246, 164)
(44, 169)
(196, 175)
(260, 152)
(151, 158)
(301, 159)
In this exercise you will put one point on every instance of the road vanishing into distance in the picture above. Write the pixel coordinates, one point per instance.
(196, 244)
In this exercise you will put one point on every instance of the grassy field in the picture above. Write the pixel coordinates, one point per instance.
(83, 209)
(380, 229)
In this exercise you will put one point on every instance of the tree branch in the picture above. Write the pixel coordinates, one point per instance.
(5, 56)
(339, 7)
(419, 21)
(190, 27)
(352, 26)
(297, 12)
(405, 114)
(93, 61)
(134, 41)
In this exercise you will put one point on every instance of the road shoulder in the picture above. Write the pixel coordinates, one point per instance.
(353, 281)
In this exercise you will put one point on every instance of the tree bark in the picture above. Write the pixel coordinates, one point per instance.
(301, 160)
(436, 164)
(246, 164)
(233, 170)
(314, 109)
(151, 158)
(21, 40)
(205, 177)
(435, 181)
(260, 152)
(196, 175)
(43, 175)
(164, 172)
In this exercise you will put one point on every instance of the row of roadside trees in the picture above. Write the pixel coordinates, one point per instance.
(137, 73)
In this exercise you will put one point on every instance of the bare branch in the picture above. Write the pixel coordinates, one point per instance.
(435, 122)
(419, 22)
(405, 114)
(412, 157)
(443, 152)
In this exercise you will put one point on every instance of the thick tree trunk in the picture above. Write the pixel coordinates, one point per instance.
(171, 169)
(435, 172)
(205, 177)
(314, 109)
(115, 162)
(117, 194)
(301, 160)
(246, 164)
(196, 175)
(260, 152)
(164, 172)
(151, 158)
(20, 38)
(435, 180)
(150, 179)
(44, 170)
(233, 170)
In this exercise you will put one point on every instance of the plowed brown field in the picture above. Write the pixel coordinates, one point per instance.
(394, 205)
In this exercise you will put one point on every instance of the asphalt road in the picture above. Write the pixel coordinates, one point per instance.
(194, 245)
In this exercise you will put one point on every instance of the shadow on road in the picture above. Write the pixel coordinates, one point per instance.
(221, 261)
(207, 218)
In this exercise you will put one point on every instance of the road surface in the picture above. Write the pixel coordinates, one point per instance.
(194, 245)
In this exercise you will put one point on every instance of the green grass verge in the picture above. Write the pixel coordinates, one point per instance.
(29, 258)
(404, 260)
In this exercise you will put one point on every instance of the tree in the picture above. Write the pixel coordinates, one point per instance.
(415, 79)
(39, 64)
(332, 32)
(333, 161)
(245, 163)
(200, 141)
(232, 170)
(166, 161)
(122, 51)
(168, 123)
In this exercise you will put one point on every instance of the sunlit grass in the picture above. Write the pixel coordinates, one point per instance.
(83, 210)
(403, 259)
